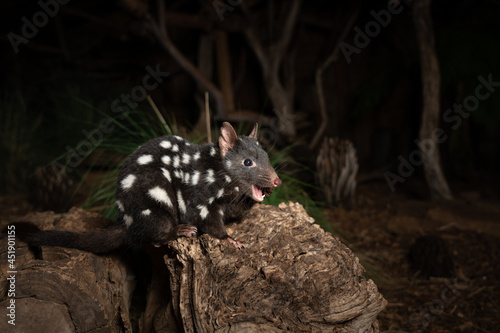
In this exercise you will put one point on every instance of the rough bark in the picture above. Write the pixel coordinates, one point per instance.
(337, 167)
(291, 276)
(66, 290)
(430, 92)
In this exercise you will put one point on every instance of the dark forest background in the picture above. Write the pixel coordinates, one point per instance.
(83, 83)
(67, 74)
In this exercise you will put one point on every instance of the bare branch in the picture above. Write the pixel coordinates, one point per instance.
(279, 50)
(319, 79)
(187, 65)
(270, 61)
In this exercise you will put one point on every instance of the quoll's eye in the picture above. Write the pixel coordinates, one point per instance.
(248, 162)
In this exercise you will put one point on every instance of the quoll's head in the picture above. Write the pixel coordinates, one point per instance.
(247, 163)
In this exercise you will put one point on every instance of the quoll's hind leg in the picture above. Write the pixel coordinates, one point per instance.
(182, 230)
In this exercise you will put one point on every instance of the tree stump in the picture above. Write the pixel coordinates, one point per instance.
(291, 276)
(337, 167)
(65, 290)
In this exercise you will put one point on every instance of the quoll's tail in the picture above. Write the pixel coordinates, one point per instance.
(102, 241)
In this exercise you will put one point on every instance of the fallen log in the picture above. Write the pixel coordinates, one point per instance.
(291, 276)
(57, 289)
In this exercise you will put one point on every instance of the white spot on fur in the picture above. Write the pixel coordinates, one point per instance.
(166, 173)
(175, 148)
(220, 193)
(166, 159)
(210, 200)
(166, 144)
(210, 176)
(120, 205)
(212, 151)
(203, 211)
(128, 220)
(146, 212)
(236, 188)
(177, 162)
(228, 179)
(128, 181)
(178, 138)
(228, 163)
(221, 212)
(186, 158)
(186, 178)
(179, 174)
(145, 159)
(196, 156)
(195, 178)
(180, 202)
(160, 195)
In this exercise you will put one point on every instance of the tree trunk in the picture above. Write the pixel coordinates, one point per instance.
(270, 60)
(429, 130)
(291, 276)
(65, 290)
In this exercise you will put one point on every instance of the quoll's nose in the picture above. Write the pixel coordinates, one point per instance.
(277, 182)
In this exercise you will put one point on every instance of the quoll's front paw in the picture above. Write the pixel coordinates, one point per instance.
(186, 230)
(236, 244)
(182, 230)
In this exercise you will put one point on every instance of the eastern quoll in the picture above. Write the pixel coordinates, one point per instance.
(170, 187)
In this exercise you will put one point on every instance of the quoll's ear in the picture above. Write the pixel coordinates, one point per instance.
(227, 138)
(253, 135)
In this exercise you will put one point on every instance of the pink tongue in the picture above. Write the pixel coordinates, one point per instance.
(257, 193)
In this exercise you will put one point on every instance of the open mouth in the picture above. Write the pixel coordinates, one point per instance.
(259, 193)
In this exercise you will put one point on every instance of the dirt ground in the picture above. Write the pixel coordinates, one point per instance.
(381, 228)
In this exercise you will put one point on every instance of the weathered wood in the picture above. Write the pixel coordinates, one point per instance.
(337, 168)
(67, 290)
(291, 276)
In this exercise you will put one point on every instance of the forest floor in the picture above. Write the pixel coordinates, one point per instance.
(380, 230)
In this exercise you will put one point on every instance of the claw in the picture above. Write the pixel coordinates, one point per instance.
(236, 244)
